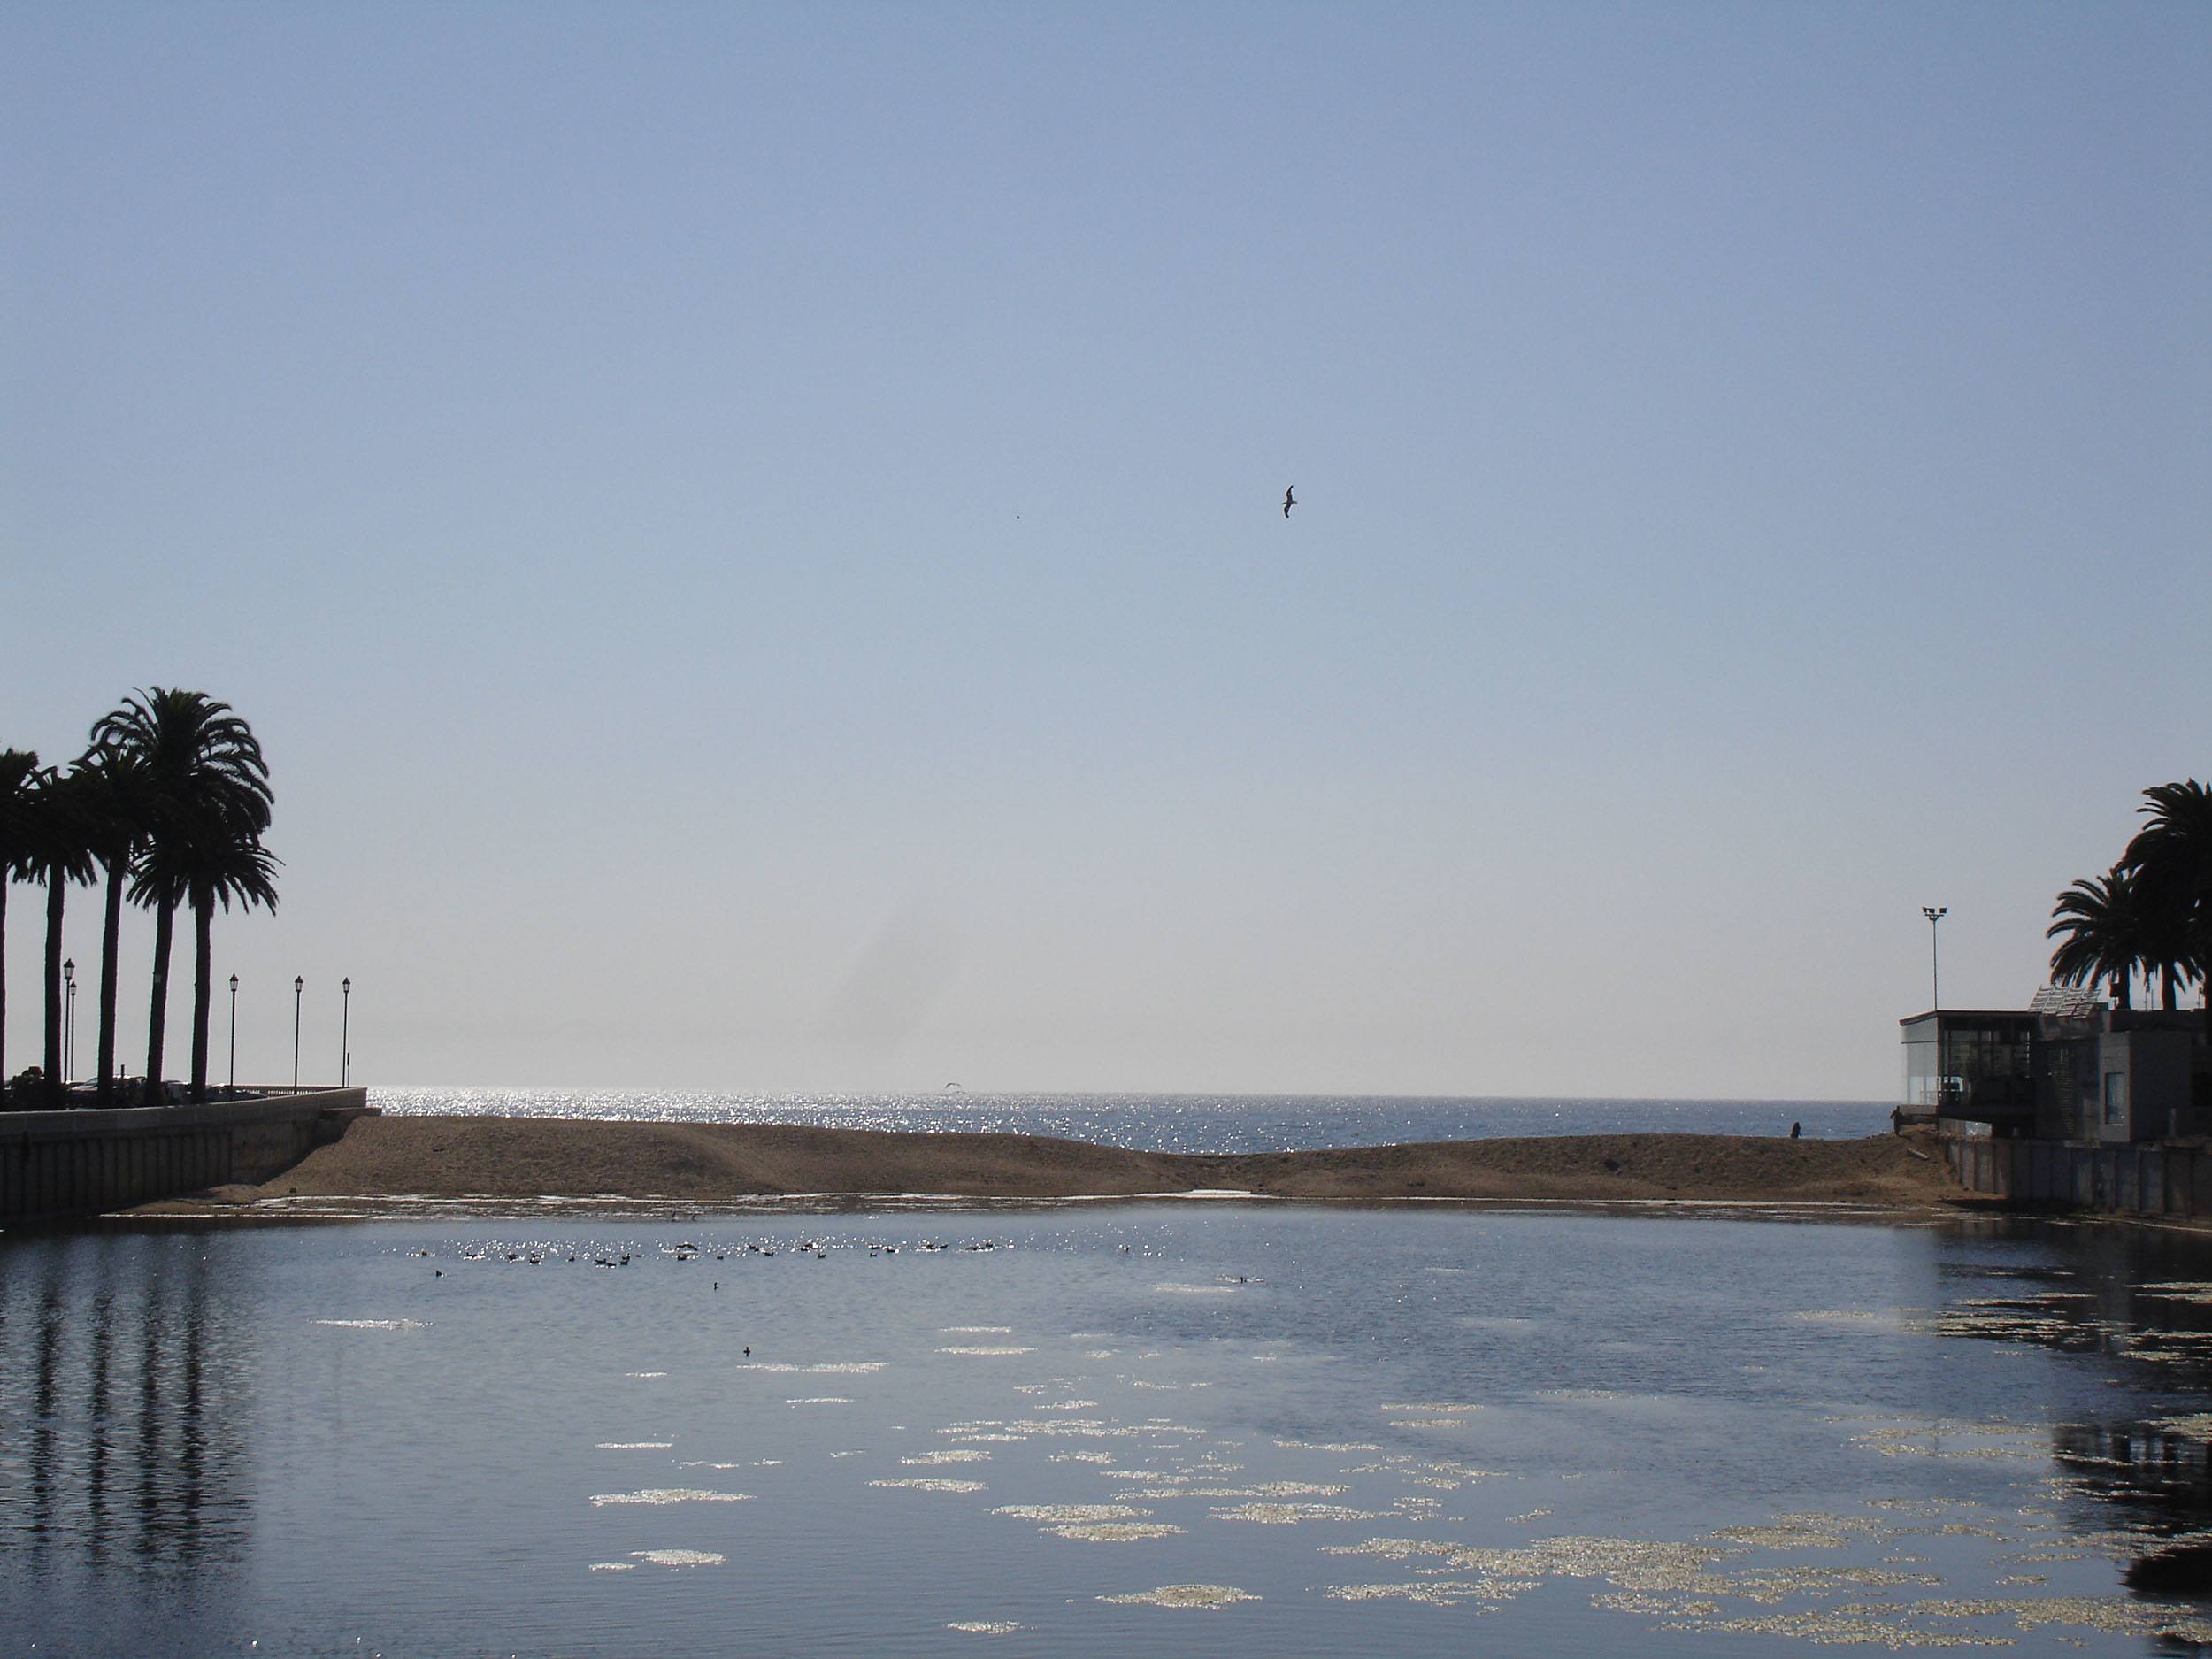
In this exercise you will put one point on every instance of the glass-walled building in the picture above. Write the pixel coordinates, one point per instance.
(2070, 1073)
(1973, 1065)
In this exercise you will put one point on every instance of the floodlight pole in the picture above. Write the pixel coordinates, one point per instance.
(1935, 913)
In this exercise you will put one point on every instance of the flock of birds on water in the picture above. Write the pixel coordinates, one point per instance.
(818, 1249)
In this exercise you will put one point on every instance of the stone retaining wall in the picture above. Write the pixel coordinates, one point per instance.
(62, 1164)
(2165, 1178)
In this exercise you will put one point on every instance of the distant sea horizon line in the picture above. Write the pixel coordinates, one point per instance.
(956, 1091)
(1180, 1122)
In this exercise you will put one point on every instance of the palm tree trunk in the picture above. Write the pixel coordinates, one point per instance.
(56, 891)
(202, 958)
(4, 986)
(158, 1016)
(111, 937)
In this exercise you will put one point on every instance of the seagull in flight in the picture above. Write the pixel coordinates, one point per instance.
(1290, 500)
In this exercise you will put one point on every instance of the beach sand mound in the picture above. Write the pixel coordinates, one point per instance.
(525, 1158)
(1740, 1169)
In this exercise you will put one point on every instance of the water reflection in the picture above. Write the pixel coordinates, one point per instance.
(2133, 1302)
(871, 1432)
(127, 1473)
(2162, 1480)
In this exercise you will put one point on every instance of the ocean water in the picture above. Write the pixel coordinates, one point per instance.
(1174, 1123)
(1093, 1430)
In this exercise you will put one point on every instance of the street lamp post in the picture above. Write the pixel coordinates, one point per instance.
(1935, 913)
(299, 983)
(345, 1027)
(69, 1023)
(234, 1031)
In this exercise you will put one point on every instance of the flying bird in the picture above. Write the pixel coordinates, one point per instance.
(1290, 500)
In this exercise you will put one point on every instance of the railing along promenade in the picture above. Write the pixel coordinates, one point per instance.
(86, 1161)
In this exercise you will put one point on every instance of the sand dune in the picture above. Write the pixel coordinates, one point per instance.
(509, 1159)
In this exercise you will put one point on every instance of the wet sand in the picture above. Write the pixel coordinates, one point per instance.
(507, 1160)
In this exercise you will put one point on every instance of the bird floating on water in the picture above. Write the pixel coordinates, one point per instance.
(1290, 500)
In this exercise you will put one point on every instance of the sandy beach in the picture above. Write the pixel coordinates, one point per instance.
(510, 1159)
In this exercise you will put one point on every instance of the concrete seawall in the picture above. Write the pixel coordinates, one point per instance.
(57, 1164)
(2145, 1179)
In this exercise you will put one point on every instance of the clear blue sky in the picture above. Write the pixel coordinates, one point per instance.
(749, 533)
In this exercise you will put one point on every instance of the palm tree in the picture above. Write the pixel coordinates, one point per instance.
(2100, 920)
(216, 864)
(18, 768)
(207, 785)
(120, 814)
(2164, 941)
(59, 853)
(2172, 857)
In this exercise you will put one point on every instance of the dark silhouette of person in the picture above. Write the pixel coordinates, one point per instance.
(1796, 1129)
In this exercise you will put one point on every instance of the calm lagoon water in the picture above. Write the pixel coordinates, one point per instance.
(1235, 1429)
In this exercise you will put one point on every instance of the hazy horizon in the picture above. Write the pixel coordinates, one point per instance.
(417, 1086)
(751, 538)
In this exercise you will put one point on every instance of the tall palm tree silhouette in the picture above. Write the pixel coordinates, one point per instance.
(59, 853)
(18, 768)
(207, 796)
(2172, 857)
(120, 812)
(209, 865)
(2099, 924)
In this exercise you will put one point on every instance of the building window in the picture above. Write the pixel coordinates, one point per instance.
(2115, 1097)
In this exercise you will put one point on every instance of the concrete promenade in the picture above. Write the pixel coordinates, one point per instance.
(56, 1165)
